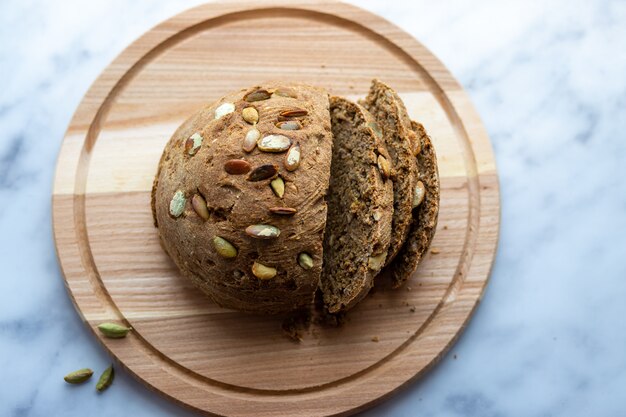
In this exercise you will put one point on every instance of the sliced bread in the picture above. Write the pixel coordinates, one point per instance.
(391, 115)
(360, 205)
(425, 212)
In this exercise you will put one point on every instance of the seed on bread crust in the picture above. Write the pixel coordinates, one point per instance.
(177, 204)
(224, 109)
(263, 172)
(257, 95)
(193, 143)
(274, 143)
(263, 231)
(263, 272)
(249, 142)
(224, 248)
(250, 115)
(285, 211)
(199, 206)
(292, 158)
(237, 166)
(278, 186)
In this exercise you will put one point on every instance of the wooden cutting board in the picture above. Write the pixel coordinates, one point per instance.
(224, 362)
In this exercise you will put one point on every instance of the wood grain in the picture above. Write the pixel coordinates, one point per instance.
(220, 361)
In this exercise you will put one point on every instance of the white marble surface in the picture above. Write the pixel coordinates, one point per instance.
(549, 80)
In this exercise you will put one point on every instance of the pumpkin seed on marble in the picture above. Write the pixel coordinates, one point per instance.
(292, 158)
(274, 143)
(250, 115)
(177, 204)
(262, 271)
(278, 186)
(199, 206)
(249, 142)
(78, 377)
(224, 109)
(106, 379)
(263, 172)
(224, 248)
(193, 143)
(305, 260)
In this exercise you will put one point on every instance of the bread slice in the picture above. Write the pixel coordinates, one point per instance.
(391, 115)
(360, 201)
(424, 215)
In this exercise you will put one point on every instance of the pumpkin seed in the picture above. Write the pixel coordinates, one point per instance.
(224, 109)
(250, 115)
(263, 272)
(305, 260)
(224, 248)
(106, 379)
(237, 166)
(278, 186)
(285, 92)
(263, 172)
(384, 167)
(113, 330)
(193, 143)
(287, 114)
(263, 231)
(249, 143)
(289, 125)
(78, 377)
(177, 205)
(376, 262)
(257, 95)
(199, 206)
(292, 158)
(285, 211)
(420, 192)
(274, 143)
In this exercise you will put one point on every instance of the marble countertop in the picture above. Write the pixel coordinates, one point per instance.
(548, 79)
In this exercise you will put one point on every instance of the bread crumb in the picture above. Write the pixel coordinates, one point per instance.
(375, 339)
(435, 251)
(322, 66)
(445, 227)
(412, 309)
(408, 288)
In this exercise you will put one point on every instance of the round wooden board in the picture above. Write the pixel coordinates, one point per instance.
(220, 361)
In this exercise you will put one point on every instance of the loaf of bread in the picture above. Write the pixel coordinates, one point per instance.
(276, 191)
(239, 196)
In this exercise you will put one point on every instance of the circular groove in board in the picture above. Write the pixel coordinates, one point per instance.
(108, 283)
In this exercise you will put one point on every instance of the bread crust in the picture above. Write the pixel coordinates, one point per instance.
(234, 203)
